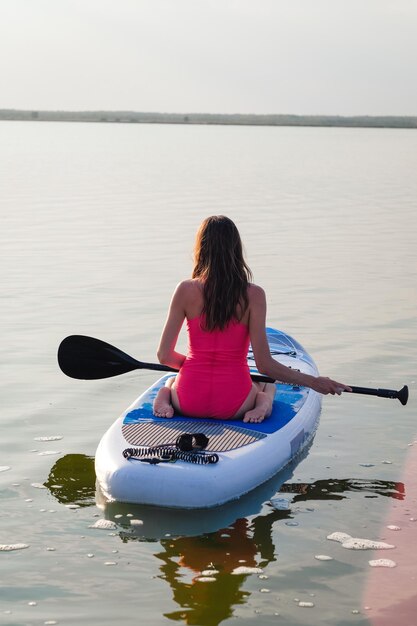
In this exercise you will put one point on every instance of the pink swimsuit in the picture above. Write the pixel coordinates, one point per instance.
(214, 379)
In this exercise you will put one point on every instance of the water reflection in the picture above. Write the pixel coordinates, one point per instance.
(186, 561)
(72, 480)
(246, 543)
(336, 489)
(211, 543)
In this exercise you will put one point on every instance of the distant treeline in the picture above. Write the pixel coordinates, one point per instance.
(132, 117)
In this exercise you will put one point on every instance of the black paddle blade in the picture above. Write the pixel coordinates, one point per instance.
(87, 358)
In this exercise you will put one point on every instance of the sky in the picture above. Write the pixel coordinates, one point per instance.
(329, 57)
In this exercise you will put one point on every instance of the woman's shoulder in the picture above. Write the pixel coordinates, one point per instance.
(255, 293)
(189, 285)
(190, 294)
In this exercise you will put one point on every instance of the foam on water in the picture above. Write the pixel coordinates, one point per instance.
(103, 524)
(282, 503)
(338, 536)
(206, 579)
(4, 547)
(247, 570)
(382, 563)
(357, 543)
(4, 468)
(52, 438)
(48, 452)
(323, 557)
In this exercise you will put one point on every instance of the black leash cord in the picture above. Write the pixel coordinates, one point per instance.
(169, 454)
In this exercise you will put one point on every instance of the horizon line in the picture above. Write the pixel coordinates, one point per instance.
(181, 113)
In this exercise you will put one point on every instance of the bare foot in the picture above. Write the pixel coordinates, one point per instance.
(162, 406)
(255, 416)
(261, 410)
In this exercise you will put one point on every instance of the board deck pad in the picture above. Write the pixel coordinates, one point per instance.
(222, 437)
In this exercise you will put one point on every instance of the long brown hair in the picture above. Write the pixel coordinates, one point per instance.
(219, 264)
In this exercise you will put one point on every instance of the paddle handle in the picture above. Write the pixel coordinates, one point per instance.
(401, 395)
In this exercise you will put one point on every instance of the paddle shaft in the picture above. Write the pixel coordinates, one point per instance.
(258, 378)
(369, 391)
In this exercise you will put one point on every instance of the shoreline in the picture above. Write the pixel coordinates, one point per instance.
(132, 117)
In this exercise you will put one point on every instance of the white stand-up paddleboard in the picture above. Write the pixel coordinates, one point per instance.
(138, 459)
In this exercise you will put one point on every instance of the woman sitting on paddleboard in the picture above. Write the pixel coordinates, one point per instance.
(224, 312)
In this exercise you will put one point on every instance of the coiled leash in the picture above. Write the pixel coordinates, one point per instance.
(189, 447)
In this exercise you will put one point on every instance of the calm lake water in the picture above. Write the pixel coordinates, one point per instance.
(97, 227)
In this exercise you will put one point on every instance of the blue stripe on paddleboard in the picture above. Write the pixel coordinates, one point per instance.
(282, 413)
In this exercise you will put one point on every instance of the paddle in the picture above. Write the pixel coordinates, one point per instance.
(87, 358)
